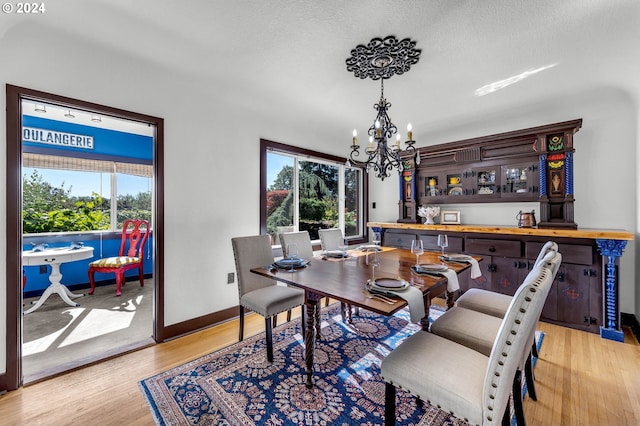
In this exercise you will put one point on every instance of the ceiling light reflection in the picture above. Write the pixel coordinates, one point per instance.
(501, 84)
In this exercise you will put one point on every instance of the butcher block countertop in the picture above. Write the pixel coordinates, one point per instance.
(607, 234)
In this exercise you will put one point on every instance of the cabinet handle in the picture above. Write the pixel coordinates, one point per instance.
(492, 268)
(492, 249)
(560, 276)
(589, 273)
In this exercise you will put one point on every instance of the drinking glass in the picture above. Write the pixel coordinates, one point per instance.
(292, 253)
(374, 263)
(417, 248)
(443, 242)
(377, 238)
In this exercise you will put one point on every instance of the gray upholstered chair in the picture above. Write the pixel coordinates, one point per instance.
(462, 381)
(478, 331)
(496, 304)
(330, 238)
(491, 302)
(301, 239)
(261, 294)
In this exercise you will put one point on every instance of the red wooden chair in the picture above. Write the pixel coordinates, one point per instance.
(123, 262)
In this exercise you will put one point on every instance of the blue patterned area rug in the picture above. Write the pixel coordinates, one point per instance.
(237, 386)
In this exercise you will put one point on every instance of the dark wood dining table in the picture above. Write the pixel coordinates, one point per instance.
(344, 280)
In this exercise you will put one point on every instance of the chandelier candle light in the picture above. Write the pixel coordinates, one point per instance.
(381, 59)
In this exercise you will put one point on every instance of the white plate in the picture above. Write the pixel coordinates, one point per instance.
(336, 253)
(391, 283)
(459, 257)
(369, 247)
(433, 267)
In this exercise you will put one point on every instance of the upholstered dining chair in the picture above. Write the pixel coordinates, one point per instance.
(330, 239)
(478, 331)
(302, 240)
(462, 381)
(261, 294)
(135, 233)
(491, 302)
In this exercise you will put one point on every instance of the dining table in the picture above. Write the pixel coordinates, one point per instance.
(345, 280)
(55, 257)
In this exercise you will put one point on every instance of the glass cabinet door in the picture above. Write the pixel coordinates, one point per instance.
(520, 180)
(486, 182)
(454, 184)
(432, 186)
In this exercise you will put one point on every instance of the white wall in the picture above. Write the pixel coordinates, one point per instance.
(212, 158)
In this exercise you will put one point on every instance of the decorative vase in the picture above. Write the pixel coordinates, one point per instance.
(429, 220)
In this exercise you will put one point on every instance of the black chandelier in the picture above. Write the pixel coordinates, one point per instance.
(379, 60)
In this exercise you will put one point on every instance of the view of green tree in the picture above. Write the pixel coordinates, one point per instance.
(318, 189)
(50, 209)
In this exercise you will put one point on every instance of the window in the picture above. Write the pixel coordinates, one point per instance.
(304, 190)
(83, 175)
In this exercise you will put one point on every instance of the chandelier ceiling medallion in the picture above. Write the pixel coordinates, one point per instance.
(381, 59)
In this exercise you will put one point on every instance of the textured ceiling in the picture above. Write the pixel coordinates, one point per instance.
(290, 55)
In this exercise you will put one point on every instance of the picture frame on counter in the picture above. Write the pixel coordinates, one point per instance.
(450, 217)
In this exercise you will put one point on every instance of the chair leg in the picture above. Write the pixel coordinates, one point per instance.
(303, 318)
(141, 275)
(528, 377)
(326, 302)
(269, 339)
(534, 348)
(91, 281)
(119, 282)
(275, 320)
(289, 315)
(506, 416)
(241, 333)
(516, 393)
(389, 404)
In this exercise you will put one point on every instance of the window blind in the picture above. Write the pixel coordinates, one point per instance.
(85, 165)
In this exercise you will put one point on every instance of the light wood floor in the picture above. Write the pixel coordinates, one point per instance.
(581, 379)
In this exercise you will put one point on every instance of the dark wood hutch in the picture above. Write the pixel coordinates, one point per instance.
(534, 164)
(529, 165)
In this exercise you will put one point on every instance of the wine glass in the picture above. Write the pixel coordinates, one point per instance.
(292, 253)
(377, 238)
(417, 248)
(443, 242)
(374, 263)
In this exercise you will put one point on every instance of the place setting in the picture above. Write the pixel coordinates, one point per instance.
(459, 258)
(342, 252)
(290, 262)
(435, 269)
(388, 289)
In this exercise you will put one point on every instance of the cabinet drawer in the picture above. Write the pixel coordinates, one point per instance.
(398, 240)
(571, 253)
(504, 248)
(430, 242)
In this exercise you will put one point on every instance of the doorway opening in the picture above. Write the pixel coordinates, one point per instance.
(81, 170)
